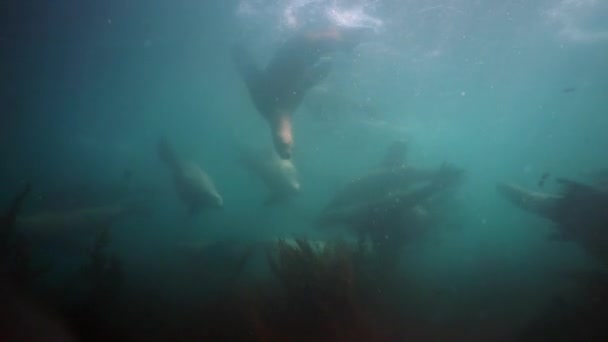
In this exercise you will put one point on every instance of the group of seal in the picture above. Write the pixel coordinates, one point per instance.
(276, 91)
(386, 201)
(197, 190)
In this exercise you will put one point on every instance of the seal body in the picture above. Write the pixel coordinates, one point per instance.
(193, 186)
(280, 176)
(299, 64)
(391, 177)
(542, 204)
(580, 213)
(379, 183)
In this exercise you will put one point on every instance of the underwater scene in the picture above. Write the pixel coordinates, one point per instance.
(304, 170)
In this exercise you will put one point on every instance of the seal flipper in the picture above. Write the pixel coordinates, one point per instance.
(351, 37)
(308, 79)
(314, 75)
(246, 66)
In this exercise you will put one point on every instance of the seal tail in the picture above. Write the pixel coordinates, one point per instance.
(167, 154)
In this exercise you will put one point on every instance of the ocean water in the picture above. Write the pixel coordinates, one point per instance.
(506, 91)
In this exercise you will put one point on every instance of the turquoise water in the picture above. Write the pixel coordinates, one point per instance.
(505, 90)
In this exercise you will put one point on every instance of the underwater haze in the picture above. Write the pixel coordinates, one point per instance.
(144, 198)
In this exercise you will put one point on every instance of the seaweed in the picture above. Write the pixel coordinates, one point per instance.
(91, 301)
(582, 318)
(319, 297)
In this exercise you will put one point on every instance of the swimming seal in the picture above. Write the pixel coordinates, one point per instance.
(393, 174)
(194, 187)
(298, 65)
(579, 211)
(279, 175)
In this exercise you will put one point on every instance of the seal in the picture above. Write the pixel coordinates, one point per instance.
(539, 203)
(280, 176)
(388, 222)
(392, 174)
(68, 222)
(579, 211)
(368, 206)
(193, 186)
(298, 65)
(65, 222)
(387, 204)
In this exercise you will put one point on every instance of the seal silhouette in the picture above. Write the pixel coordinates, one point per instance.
(298, 65)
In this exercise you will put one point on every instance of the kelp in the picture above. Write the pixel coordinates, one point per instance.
(321, 274)
(93, 299)
(319, 298)
(580, 318)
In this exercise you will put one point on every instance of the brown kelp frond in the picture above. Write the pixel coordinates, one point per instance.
(318, 283)
(574, 318)
(302, 264)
